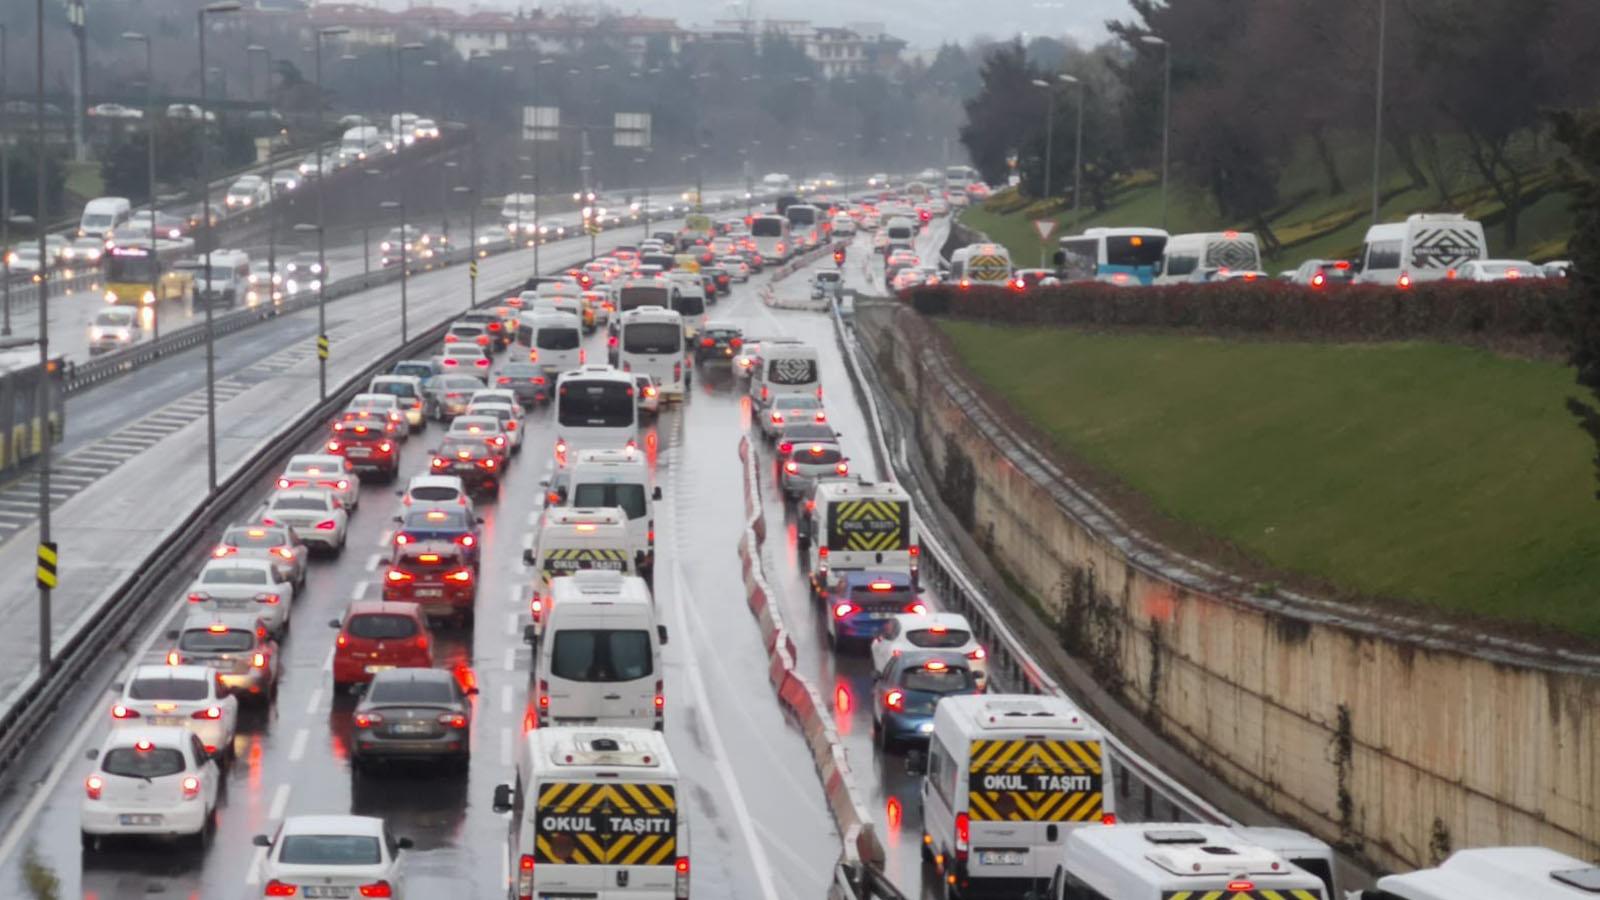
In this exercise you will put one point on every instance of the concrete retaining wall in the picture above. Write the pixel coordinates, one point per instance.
(1396, 740)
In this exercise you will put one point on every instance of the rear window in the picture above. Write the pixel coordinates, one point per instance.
(201, 640)
(408, 691)
(652, 337)
(598, 655)
(557, 339)
(690, 305)
(395, 388)
(630, 497)
(429, 560)
(807, 432)
(329, 850)
(951, 680)
(434, 493)
(300, 503)
(792, 371)
(132, 762)
(168, 689)
(437, 519)
(380, 627)
(819, 455)
(233, 576)
(252, 537)
(938, 640)
(521, 370)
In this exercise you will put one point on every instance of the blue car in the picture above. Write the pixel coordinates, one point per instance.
(908, 690)
(454, 526)
(860, 603)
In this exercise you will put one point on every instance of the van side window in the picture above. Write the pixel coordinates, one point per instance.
(1383, 255)
(942, 772)
(1181, 264)
(1076, 889)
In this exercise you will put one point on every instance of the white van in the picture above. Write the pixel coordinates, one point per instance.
(595, 410)
(854, 525)
(360, 142)
(229, 277)
(1162, 861)
(599, 662)
(1425, 247)
(1008, 777)
(102, 215)
(900, 232)
(787, 367)
(569, 540)
(650, 341)
(1193, 257)
(555, 341)
(614, 478)
(595, 812)
(1494, 873)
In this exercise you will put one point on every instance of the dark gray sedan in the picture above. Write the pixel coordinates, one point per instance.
(410, 714)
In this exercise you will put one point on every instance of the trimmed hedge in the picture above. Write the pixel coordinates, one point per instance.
(1530, 314)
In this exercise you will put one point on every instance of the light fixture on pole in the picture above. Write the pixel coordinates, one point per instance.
(224, 6)
(1166, 114)
(1049, 129)
(5, 190)
(366, 235)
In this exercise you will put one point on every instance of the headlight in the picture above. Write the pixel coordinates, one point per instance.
(111, 297)
(96, 333)
(148, 298)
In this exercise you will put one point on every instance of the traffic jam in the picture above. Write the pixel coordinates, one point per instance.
(456, 601)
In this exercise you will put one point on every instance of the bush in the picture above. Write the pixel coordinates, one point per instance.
(1530, 314)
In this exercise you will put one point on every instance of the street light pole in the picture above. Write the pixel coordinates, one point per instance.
(223, 6)
(1377, 112)
(5, 190)
(366, 236)
(1077, 150)
(42, 406)
(405, 263)
(472, 244)
(1049, 130)
(150, 158)
(405, 238)
(1166, 115)
(322, 240)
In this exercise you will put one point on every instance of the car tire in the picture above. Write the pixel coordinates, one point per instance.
(89, 842)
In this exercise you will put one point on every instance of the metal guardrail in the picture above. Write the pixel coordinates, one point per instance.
(26, 295)
(943, 569)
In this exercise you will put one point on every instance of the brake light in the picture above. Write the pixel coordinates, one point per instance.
(963, 836)
(276, 888)
(1109, 818)
(680, 886)
(842, 468)
(785, 446)
(915, 551)
(1241, 886)
(487, 462)
(211, 713)
(333, 446)
(707, 342)
(525, 877)
(895, 699)
(385, 447)
(341, 640)
(661, 698)
(223, 550)
(544, 695)
(368, 720)
(462, 576)
(327, 525)
(917, 607)
(843, 608)
(438, 463)
(173, 658)
(978, 654)
(191, 787)
(93, 785)
(777, 417)
(199, 598)
(466, 540)
(1405, 280)
(258, 661)
(453, 720)
(791, 467)
(1318, 280)
(398, 576)
(122, 712)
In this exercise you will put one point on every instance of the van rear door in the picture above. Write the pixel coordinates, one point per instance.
(612, 839)
(602, 671)
(1021, 791)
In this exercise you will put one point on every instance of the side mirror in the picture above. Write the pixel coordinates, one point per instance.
(172, 635)
(92, 754)
(432, 451)
(1059, 258)
(405, 843)
(398, 520)
(527, 556)
(118, 685)
(529, 635)
(335, 623)
(478, 519)
(916, 763)
(399, 493)
(656, 494)
(502, 798)
(544, 482)
(261, 840)
(661, 633)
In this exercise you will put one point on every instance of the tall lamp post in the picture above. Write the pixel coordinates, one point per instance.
(267, 59)
(366, 235)
(450, 166)
(472, 243)
(405, 264)
(43, 405)
(1049, 129)
(272, 194)
(1166, 114)
(1077, 149)
(150, 159)
(1377, 112)
(218, 8)
(5, 190)
(322, 240)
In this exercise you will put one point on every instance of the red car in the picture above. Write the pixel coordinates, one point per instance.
(437, 576)
(367, 441)
(375, 636)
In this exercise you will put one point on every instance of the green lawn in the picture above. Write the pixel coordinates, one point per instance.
(1438, 474)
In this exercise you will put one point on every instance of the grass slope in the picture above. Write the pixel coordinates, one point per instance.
(1442, 475)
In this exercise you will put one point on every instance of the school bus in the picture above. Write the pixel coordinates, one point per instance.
(131, 270)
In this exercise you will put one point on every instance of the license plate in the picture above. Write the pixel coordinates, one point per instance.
(878, 616)
(233, 602)
(161, 721)
(373, 670)
(326, 893)
(357, 451)
(412, 728)
(139, 819)
(429, 592)
(1002, 857)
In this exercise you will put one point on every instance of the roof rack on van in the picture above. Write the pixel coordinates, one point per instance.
(1436, 217)
(1187, 857)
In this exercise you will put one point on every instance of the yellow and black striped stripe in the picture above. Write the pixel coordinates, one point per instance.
(570, 560)
(598, 843)
(1258, 894)
(869, 525)
(1079, 760)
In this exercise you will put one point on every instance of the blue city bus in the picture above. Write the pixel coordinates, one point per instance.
(1123, 256)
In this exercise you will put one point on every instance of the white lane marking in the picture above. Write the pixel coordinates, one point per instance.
(533, 518)
(730, 783)
(511, 659)
(280, 802)
(373, 561)
(505, 699)
(505, 746)
(385, 538)
(515, 593)
(801, 865)
(358, 590)
(511, 622)
(256, 862)
(327, 661)
(505, 869)
(297, 747)
(313, 702)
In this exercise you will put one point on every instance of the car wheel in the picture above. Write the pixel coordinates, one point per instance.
(90, 842)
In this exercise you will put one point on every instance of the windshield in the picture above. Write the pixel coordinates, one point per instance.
(407, 690)
(767, 226)
(595, 655)
(168, 689)
(652, 337)
(1134, 249)
(381, 627)
(630, 497)
(557, 338)
(131, 762)
(595, 404)
(651, 295)
(329, 850)
(204, 640)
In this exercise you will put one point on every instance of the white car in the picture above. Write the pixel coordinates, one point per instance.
(248, 191)
(437, 491)
(911, 632)
(509, 416)
(317, 516)
(335, 856)
(469, 358)
(231, 584)
(179, 696)
(1499, 270)
(737, 267)
(285, 180)
(385, 404)
(844, 226)
(322, 470)
(114, 328)
(408, 390)
(150, 781)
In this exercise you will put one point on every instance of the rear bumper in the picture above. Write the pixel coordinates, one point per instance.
(366, 745)
(188, 817)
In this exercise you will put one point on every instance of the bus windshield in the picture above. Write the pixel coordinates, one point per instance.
(595, 404)
(138, 268)
(1134, 249)
(652, 337)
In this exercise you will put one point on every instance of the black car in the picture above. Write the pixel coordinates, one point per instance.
(721, 278)
(413, 714)
(526, 380)
(471, 460)
(719, 342)
(499, 334)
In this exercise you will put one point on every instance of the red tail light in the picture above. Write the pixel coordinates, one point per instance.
(211, 713)
(377, 889)
(460, 576)
(525, 877)
(173, 658)
(843, 608)
(502, 380)
(453, 720)
(544, 695)
(1109, 818)
(368, 720)
(258, 661)
(327, 525)
(191, 787)
(385, 447)
(1318, 280)
(1405, 280)
(333, 446)
(785, 446)
(978, 654)
(791, 467)
(224, 550)
(842, 468)
(680, 886)
(199, 598)
(661, 698)
(963, 836)
(438, 463)
(895, 699)
(917, 608)
(122, 712)
(276, 888)
(466, 540)
(398, 576)
(707, 342)
(93, 785)
(283, 482)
